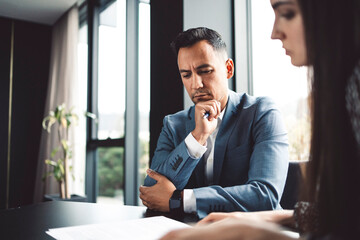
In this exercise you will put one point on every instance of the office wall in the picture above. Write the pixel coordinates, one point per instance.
(30, 78)
(166, 86)
(168, 18)
(214, 14)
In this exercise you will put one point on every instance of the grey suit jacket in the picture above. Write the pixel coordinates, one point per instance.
(250, 157)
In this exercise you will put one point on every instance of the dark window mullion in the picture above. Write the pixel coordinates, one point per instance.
(103, 4)
(95, 143)
(91, 133)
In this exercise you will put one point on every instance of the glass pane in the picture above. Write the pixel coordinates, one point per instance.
(144, 88)
(110, 175)
(275, 76)
(80, 105)
(111, 85)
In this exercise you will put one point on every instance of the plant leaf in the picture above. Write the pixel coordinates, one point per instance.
(51, 163)
(48, 122)
(46, 175)
(54, 151)
(57, 112)
(69, 154)
(57, 174)
(63, 121)
(61, 167)
(65, 145)
(75, 119)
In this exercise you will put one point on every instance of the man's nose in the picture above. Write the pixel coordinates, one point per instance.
(196, 81)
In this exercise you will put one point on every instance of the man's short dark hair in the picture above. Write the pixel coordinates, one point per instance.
(194, 35)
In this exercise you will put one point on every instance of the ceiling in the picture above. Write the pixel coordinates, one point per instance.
(39, 11)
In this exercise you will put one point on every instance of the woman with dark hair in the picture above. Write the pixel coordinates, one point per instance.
(324, 35)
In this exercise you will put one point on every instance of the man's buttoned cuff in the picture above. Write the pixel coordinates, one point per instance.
(189, 201)
(195, 149)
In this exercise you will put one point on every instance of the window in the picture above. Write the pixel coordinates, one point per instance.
(110, 175)
(263, 69)
(79, 132)
(111, 68)
(144, 89)
(111, 96)
(274, 76)
(119, 60)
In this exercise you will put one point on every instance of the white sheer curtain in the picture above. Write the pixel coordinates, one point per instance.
(62, 88)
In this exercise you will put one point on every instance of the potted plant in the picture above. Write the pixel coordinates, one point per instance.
(63, 119)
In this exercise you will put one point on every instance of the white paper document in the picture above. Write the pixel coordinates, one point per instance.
(150, 228)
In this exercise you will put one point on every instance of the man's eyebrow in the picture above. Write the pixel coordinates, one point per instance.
(203, 66)
(278, 4)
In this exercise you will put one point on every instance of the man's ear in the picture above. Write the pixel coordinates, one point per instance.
(230, 68)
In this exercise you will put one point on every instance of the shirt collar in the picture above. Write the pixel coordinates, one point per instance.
(222, 114)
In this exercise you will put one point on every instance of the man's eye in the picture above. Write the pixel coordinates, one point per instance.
(186, 75)
(205, 71)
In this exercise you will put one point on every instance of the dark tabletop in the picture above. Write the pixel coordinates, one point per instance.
(31, 222)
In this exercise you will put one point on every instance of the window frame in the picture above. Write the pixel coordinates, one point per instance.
(243, 46)
(90, 13)
(243, 11)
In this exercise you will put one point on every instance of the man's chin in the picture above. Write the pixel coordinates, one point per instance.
(202, 99)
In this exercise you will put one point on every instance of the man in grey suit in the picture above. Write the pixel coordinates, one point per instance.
(228, 152)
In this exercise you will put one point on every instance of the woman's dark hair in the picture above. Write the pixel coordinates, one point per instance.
(194, 35)
(332, 34)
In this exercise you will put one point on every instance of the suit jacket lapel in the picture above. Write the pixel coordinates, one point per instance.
(222, 138)
(200, 168)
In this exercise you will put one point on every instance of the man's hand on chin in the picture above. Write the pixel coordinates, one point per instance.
(157, 196)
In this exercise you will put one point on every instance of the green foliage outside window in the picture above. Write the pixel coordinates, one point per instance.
(144, 159)
(110, 170)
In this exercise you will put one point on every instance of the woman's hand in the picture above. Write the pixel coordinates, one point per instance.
(230, 228)
(217, 216)
(275, 216)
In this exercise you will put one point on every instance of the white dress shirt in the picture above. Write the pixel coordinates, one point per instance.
(196, 150)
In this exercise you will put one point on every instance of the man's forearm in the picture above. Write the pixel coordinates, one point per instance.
(177, 166)
(245, 198)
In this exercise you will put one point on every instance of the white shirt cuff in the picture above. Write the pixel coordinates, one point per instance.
(189, 201)
(195, 149)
